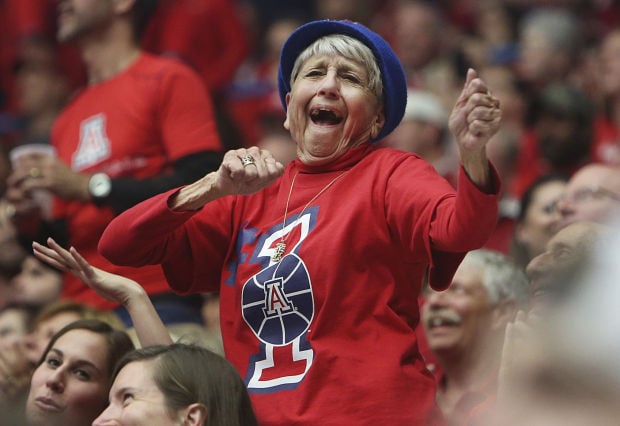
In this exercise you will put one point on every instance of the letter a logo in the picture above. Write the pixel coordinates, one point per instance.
(276, 302)
(94, 145)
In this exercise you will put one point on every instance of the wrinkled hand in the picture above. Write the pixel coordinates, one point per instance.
(37, 171)
(232, 178)
(476, 115)
(110, 286)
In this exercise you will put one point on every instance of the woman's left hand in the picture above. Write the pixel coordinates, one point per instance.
(110, 286)
(476, 115)
(124, 291)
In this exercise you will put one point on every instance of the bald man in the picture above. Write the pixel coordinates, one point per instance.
(592, 193)
(566, 252)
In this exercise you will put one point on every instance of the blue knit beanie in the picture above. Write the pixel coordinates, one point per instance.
(392, 74)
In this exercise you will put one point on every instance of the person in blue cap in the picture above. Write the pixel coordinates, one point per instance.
(319, 264)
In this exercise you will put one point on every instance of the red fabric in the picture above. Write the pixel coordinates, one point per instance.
(31, 16)
(207, 34)
(501, 239)
(132, 125)
(338, 343)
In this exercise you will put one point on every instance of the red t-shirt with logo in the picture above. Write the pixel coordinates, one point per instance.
(327, 334)
(132, 125)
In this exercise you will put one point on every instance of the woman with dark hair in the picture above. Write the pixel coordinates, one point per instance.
(70, 384)
(535, 223)
(174, 383)
(19, 360)
(177, 384)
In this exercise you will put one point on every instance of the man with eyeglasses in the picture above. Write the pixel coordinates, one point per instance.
(592, 193)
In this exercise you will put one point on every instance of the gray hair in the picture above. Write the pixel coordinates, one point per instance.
(501, 277)
(350, 48)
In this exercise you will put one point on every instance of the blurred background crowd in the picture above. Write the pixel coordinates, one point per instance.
(554, 65)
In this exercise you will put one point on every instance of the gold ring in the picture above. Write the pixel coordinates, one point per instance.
(35, 172)
(246, 160)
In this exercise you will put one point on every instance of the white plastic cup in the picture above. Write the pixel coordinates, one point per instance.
(42, 197)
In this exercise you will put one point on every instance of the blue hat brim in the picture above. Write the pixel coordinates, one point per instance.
(392, 74)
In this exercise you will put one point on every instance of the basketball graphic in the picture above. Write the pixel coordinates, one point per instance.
(277, 303)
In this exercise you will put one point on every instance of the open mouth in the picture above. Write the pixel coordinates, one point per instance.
(325, 117)
(437, 321)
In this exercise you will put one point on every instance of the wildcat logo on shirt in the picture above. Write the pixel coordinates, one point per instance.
(94, 145)
(278, 306)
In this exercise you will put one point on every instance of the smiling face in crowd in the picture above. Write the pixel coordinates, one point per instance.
(458, 318)
(135, 399)
(331, 108)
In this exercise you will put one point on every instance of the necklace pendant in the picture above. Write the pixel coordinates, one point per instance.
(280, 249)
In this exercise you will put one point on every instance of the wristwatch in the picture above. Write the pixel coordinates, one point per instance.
(99, 186)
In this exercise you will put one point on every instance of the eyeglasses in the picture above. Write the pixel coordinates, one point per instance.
(590, 193)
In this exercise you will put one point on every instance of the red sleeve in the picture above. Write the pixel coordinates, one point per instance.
(150, 233)
(437, 224)
(460, 224)
(187, 118)
(468, 219)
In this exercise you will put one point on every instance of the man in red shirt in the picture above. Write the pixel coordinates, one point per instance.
(142, 125)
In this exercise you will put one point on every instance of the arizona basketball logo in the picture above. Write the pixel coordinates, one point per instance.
(94, 144)
(278, 306)
(277, 303)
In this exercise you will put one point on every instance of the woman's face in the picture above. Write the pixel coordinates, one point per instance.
(13, 326)
(136, 400)
(539, 223)
(36, 283)
(70, 387)
(331, 109)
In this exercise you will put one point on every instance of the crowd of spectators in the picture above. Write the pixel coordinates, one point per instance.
(546, 60)
(553, 64)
